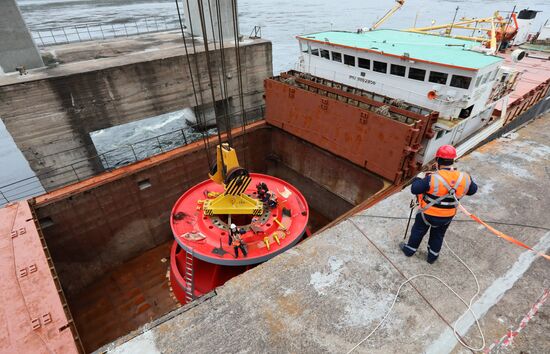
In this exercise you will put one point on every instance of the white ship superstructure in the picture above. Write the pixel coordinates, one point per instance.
(455, 77)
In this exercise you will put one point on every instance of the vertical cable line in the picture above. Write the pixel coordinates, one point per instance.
(204, 136)
(222, 75)
(222, 44)
(211, 81)
(209, 65)
(239, 72)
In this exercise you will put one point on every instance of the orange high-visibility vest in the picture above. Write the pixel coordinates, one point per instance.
(439, 200)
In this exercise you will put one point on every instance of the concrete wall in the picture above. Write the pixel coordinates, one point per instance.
(51, 112)
(102, 225)
(16, 45)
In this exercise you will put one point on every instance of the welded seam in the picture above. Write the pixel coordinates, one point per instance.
(17, 277)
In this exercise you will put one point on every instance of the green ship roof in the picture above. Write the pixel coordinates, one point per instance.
(422, 47)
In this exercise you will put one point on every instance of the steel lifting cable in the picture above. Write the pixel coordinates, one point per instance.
(204, 135)
(198, 74)
(222, 75)
(222, 54)
(239, 74)
(209, 66)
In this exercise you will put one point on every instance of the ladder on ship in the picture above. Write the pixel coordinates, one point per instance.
(189, 276)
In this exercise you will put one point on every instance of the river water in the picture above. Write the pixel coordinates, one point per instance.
(280, 20)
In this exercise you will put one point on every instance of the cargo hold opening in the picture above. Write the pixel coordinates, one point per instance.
(110, 242)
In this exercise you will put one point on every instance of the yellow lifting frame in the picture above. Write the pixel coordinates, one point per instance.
(233, 200)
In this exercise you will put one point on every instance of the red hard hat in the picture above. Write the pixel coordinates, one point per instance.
(446, 152)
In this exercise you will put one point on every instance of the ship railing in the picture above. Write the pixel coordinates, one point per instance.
(385, 89)
(100, 31)
(399, 103)
(110, 160)
(256, 32)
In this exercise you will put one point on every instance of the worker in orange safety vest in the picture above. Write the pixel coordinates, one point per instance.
(438, 194)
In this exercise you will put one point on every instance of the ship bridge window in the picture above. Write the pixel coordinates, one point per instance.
(438, 78)
(463, 82)
(304, 47)
(349, 60)
(441, 134)
(417, 74)
(398, 70)
(466, 112)
(380, 67)
(494, 75)
(325, 54)
(315, 52)
(337, 56)
(478, 80)
(485, 78)
(503, 77)
(363, 63)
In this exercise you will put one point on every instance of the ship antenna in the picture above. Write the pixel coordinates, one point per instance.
(452, 23)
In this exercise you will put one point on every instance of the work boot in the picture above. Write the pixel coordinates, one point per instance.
(432, 256)
(431, 259)
(406, 250)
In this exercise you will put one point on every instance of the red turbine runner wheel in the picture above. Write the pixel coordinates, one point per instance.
(202, 259)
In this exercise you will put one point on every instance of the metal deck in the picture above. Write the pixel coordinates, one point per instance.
(32, 317)
(532, 87)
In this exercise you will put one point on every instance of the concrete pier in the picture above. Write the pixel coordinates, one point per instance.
(328, 293)
(51, 111)
(17, 48)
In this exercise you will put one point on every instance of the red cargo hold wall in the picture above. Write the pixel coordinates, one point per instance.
(380, 144)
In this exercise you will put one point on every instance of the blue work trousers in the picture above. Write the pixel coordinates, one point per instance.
(437, 233)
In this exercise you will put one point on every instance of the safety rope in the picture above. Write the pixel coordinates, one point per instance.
(468, 305)
(451, 193)
(501, 234)
(461, 220)
(431, 276)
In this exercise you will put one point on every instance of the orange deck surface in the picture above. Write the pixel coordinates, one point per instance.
(32, 319)
(535, 72)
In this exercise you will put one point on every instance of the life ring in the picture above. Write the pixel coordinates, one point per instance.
(432, 95)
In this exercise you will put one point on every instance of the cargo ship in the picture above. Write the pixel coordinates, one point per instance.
(362, 113)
